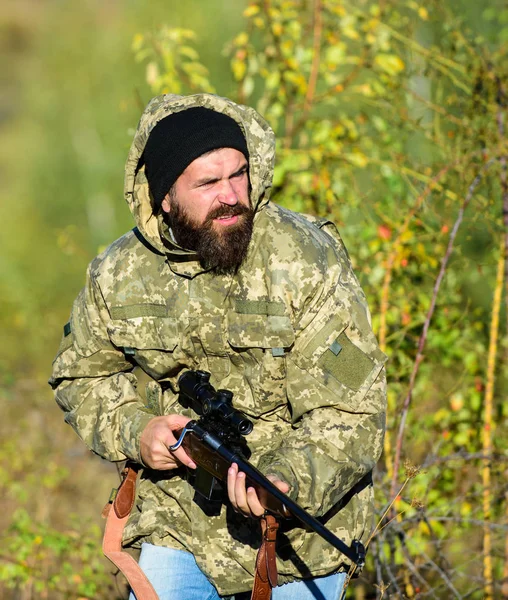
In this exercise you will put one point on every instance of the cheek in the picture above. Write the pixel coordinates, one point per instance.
(242, 189)
(200, 205)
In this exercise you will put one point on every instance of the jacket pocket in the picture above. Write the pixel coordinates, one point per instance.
(258, 346)
(149, 340)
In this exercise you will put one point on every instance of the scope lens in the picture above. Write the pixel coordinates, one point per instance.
(245, 427)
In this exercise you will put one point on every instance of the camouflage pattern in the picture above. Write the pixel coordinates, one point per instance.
(289, 334)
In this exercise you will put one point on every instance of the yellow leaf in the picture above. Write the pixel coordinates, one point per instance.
(441, 414)
(137, 42)
(241, 39)
(239, 68)
(351, 32)
(277, 29)
(251, 10)
(390, 63)
(358, 159)
(287, 46)
(466, 509)
(423, 13)
(365, 89)
(338, 10)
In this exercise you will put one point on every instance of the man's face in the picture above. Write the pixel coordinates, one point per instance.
(209, 211)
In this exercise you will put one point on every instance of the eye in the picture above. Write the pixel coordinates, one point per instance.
(240, 173)
(208, 184)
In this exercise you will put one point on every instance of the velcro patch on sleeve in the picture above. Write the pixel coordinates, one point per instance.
(346, 362)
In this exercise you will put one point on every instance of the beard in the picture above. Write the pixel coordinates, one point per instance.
(223, 250)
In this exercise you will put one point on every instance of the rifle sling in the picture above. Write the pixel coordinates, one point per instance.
(266, 567)
(116, 512)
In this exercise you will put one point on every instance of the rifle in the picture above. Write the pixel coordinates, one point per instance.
(217, 439)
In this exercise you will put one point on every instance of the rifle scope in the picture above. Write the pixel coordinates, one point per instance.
(209, 402)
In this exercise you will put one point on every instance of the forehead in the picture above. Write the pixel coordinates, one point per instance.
(221, 160)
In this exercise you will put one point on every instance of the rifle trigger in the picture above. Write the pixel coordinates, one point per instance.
(180, 440)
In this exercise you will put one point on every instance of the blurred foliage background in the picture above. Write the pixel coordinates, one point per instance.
(391, 119)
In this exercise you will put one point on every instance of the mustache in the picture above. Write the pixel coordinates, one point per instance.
(228, 211)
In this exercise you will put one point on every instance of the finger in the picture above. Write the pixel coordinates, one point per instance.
(255, 507)
(232, 473)
(165, 464)
(177, 423)
(241, 494)
(278, 483)
(180, 455)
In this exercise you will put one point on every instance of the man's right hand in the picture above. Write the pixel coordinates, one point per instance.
(155, 440)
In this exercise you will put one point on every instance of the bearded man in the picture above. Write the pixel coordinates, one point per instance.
(216, 277)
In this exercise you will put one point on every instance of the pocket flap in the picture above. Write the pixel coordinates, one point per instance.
(144, 333)
(259, 331)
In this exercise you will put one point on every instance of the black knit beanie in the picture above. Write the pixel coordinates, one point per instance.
(182, 137)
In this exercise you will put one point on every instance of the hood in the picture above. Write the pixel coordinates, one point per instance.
(260, 142)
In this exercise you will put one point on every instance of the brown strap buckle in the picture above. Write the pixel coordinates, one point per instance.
(265, 577)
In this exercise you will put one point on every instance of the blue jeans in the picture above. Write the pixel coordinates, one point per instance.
(175, 576)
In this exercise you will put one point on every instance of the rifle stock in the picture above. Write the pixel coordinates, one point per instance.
(210, 453)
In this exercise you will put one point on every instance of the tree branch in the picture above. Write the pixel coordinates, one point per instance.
(423, 337)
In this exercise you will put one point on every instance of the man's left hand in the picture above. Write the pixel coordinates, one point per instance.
(246, 501)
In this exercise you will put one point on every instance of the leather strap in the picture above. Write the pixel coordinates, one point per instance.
(266, 567)
(116, 513)
(116, 519)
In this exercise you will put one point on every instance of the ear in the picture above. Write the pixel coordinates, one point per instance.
(166, 206)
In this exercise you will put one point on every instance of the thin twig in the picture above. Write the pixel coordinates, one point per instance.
(386, 511)
(438, 109)
(443, 575)
(316, 58)
(460, 520)
(464, 457)
(487, 428)
(501, 107)
(392, 578)
(313, 77)
(416, 572)
(426, 325)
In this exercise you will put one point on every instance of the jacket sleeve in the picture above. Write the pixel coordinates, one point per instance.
(94, 384)
(336, 391)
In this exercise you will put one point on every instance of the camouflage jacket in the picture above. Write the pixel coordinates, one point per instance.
(289, 334)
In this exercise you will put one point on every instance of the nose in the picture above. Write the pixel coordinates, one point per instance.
(227, 194)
